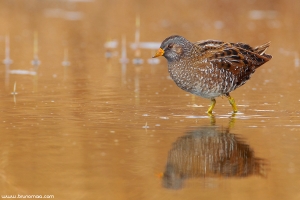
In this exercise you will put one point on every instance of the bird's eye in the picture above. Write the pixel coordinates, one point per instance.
(170, 46)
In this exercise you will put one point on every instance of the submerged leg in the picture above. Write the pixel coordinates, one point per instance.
(231, 121)
(232, 102)
(212, 119)
(212, 105)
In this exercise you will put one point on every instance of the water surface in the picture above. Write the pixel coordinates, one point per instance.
(101, 130)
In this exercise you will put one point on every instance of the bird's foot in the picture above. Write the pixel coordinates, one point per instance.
(232, 103)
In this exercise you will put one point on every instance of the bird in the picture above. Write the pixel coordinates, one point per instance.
(211, 68)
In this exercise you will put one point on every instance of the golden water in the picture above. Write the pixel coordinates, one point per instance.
(100, 130)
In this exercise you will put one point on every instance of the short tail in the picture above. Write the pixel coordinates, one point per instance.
(262, 49)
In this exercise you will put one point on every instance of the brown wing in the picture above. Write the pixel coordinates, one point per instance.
(235, 54)
(238, 58)
(255, 56)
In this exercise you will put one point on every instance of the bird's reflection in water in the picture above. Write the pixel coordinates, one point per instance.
(210, 152)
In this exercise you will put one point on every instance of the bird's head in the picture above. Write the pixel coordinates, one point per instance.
(173, 48)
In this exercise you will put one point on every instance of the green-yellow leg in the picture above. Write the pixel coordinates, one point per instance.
(212, 119)
(232, 102)
(212, 105)
(232, 120)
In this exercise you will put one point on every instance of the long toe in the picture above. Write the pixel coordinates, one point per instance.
(232, 103)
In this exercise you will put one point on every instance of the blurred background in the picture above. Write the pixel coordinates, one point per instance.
(86, 114)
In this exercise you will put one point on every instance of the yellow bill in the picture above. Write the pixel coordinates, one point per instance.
(160, 52)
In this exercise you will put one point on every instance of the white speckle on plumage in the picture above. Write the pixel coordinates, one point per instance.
(211, 68)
